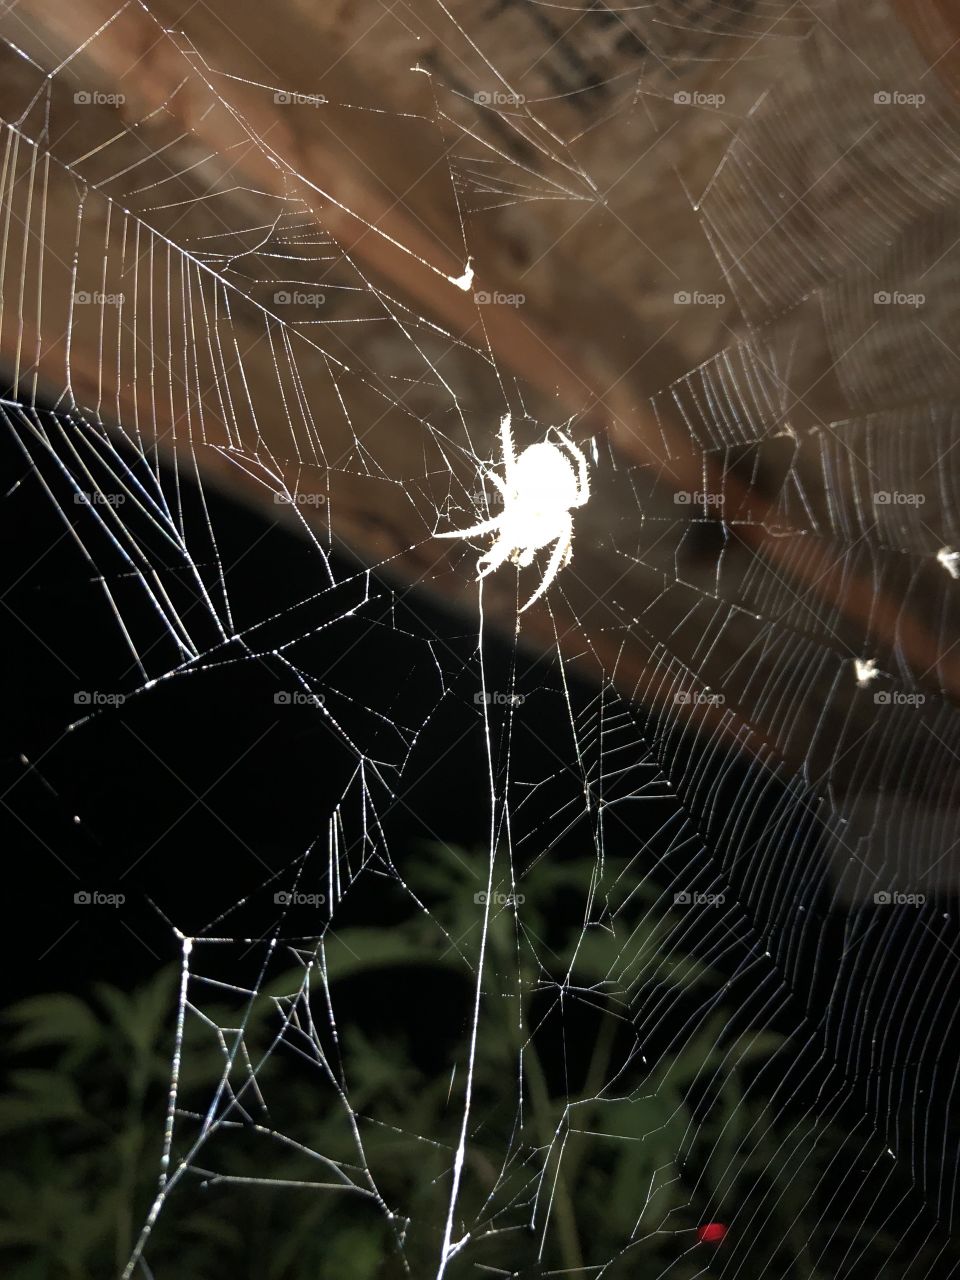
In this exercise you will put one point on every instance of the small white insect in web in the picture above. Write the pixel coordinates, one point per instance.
(539, 491)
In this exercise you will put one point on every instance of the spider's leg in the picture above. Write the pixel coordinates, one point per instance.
(494, 558)
(486, 526)
(501, 484)
(553, 568)
(506, 440)
(583, 488)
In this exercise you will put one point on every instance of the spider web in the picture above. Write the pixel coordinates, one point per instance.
(748, 725)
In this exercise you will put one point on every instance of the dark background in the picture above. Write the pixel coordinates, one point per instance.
(195, 791)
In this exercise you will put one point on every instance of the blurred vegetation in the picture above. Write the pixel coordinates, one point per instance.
(644, 1159)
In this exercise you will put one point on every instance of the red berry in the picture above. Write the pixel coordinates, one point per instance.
(711, 1233)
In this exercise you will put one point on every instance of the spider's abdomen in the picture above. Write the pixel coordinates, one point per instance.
(531, 529)
(544, 479)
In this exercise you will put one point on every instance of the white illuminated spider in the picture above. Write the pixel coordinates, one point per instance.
(539, 491)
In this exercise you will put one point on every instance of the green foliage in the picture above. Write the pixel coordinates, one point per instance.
(625, 1161)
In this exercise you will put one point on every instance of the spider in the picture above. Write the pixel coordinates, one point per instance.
(540, 489)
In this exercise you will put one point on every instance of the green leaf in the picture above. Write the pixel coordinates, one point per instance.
(352, 951)
(53, 1019)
